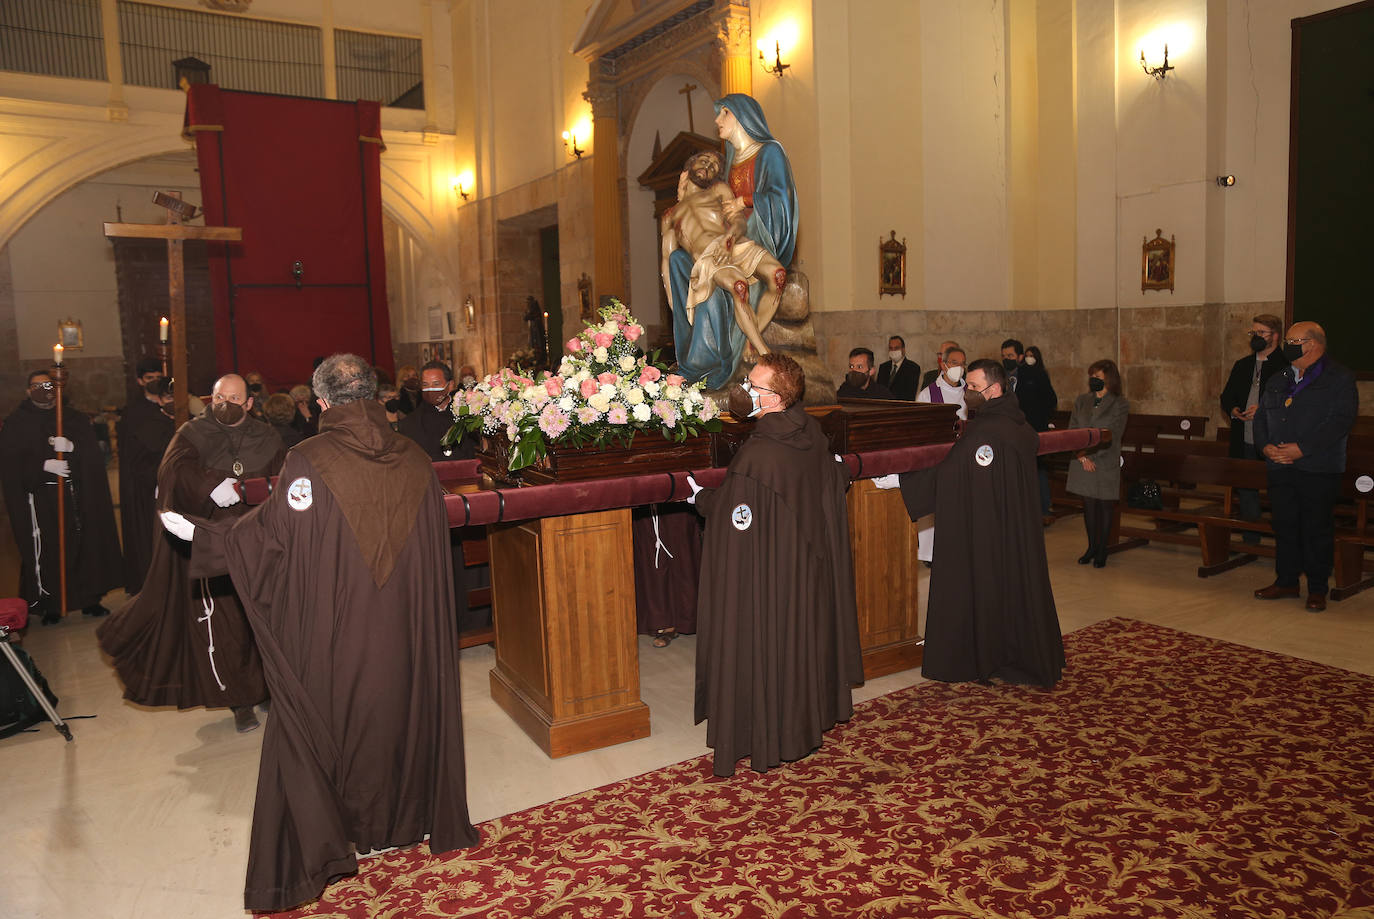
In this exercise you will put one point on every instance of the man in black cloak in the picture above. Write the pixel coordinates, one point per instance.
(31, 474)
(777, 629)
(144, 431)
(183, 640)
(344, 572)
(991, 611)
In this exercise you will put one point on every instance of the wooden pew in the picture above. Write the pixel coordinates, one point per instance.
(1357, 485)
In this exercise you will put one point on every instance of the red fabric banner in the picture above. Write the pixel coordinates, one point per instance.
(302, 178)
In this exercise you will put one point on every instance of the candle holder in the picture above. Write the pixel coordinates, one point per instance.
(162, 356)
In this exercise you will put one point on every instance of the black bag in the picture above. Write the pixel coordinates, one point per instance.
(19, 710)
(1144, 495)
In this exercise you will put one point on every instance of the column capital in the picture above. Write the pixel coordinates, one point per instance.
(733, 34)
(604, 98)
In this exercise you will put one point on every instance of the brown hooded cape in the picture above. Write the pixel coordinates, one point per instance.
(346, 578)
(777, 629)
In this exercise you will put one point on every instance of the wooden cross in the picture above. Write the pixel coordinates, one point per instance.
(176, 235)
(687, 91)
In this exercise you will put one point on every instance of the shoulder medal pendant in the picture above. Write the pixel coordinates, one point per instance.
(237, 468)
(1287, 402)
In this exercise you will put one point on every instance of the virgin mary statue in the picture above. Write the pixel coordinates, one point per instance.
(709, 339)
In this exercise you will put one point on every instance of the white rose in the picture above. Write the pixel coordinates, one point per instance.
(499, 394)
(627, 363)
(566, 366)
(583, 374)
(601, 402)
(673, 392)
(642, 410)
(606, 388)
(534, 395)
(600, 355)
(653, 388)
(635, 396)
(610, 327)
(566, 403)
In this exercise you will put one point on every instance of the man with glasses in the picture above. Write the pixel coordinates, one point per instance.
(991, 611)
(1301, 426)
(777, 628)
(1240, 400)
(31, 473)
(428, 424)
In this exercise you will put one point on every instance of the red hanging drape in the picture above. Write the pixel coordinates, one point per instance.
(302, 178)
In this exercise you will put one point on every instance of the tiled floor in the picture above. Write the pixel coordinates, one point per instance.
(146, 814)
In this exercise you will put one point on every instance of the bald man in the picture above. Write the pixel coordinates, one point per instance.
(183, 641)
(1305, 414)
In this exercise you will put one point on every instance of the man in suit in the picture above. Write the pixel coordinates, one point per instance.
(940, 366)
(897, 373)
(1301, 426)
(1240, 401)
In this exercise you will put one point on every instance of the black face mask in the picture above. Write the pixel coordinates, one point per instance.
(1292, 352)
(411, 384)
(856, 378)
(1008, 364)
(1097, 384)
(255, 388)
(392, 405)
(1257, 343)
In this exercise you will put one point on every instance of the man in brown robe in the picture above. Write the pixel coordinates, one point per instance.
(184, 640)
(777, 629)
(345, 575)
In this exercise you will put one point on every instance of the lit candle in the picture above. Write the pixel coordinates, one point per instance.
(57, 354)
(162, 329)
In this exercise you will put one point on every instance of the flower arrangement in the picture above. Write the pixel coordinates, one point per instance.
(606, 391)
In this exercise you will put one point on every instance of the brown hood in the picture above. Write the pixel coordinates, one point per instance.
(378, 478)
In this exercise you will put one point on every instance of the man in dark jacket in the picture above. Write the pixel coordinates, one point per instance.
(1240, 399)
(1305, 415)
(898, 374)
(432, 419)
(777, 628)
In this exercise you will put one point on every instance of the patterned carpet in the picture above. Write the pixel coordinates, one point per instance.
(1166, 776)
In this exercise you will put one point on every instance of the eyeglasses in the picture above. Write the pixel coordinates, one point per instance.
(751, 385)
(1295, 341)
(50, 385)
(1264, 334)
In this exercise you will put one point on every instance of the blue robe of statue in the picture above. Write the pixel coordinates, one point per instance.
(710, 347)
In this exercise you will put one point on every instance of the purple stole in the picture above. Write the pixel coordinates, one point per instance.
(937, 396)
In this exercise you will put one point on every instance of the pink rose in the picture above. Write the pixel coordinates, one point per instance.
(673, 380)
(607, 378)
(633, 332)
(574, 345)
(588, 388)
(603, 340)
(554, 385)
(649, 374)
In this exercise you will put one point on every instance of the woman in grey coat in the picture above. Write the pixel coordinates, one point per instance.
(1095, 474)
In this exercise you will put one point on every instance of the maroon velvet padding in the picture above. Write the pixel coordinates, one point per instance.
(14, 613)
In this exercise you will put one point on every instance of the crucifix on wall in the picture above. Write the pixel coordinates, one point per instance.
(687, 91)
(176, 235)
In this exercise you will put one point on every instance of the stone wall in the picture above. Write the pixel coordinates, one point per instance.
(1174, 359)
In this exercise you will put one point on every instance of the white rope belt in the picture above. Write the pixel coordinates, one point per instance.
(208, 602)
(37, 547)
(658, 542)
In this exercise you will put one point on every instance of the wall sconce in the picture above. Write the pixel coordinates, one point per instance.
(470, 312)
(462, 184)
(778, 66)
(1160, 72)
(1226, 181)
(570, 144)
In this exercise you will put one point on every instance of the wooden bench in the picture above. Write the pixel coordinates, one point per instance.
(1357, 485)
(1210, 513)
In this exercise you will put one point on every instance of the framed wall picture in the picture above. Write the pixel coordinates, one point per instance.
(892, 266)
(1157, 263)
(584, 298)
(69, 334)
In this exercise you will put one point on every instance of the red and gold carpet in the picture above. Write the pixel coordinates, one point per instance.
(1166, 776)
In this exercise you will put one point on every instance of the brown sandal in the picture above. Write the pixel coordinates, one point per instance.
(664, 637)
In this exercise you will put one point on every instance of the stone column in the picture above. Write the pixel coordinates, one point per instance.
(609, 277)
(734, 38)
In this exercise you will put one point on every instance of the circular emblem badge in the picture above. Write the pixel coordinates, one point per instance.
(742, 517)
(1185, 424)
(1364, 484)
(299, 495)
(984, 455)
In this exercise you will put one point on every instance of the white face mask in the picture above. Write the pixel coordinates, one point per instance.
(954, 374)
(895, 355)
(1030, 360)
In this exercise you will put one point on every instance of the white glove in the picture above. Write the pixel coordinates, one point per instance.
(887, 481)
(695, 489)
(57, 467)
(61, 444)
(224, 494)
(177, 525)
